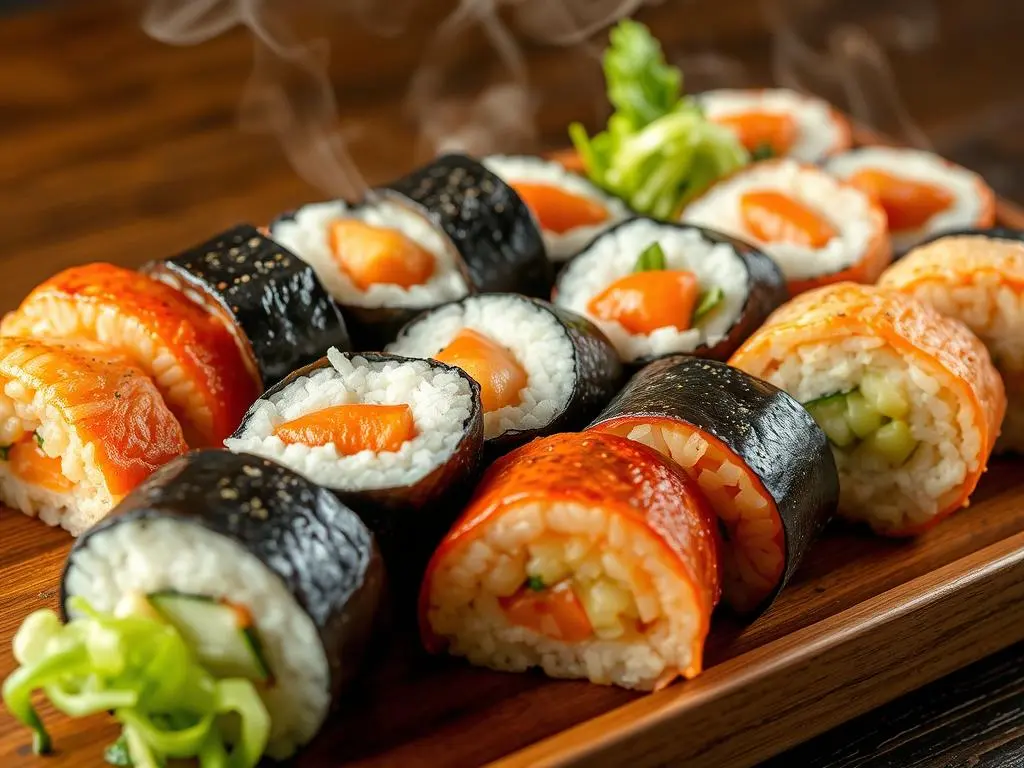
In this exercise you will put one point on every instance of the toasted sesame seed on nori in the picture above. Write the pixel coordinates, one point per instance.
(272, 295)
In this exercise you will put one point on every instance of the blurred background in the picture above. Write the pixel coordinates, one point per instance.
(131, 129)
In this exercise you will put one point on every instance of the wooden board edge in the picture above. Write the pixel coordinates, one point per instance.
(763, 702)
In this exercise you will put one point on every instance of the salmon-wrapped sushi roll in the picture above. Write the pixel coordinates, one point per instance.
(979, 280)
(192, 356)
(758, 456)
(587, 555)
(79, 429)
(909, 399)
(818, 229)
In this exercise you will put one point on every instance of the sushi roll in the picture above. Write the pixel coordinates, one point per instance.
(447, 230)
(393, 437)
(777, 122)
(587, 555)
(540, 369)
(568, 208)
(79, 429)
(762, 462)
(818, 229)
(267, 577)
(979, 280)
(657, 288)
(206, 378)
(282, 316)
(909, 399)
(922, 194)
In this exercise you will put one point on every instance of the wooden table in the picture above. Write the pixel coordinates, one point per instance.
(116, 147)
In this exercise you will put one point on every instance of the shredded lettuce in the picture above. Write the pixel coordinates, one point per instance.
(140, 668)
(658, 151)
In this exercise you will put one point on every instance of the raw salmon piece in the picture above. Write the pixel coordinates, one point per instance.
(353, 428)
(379, 255)
(491, 365)
(559, 211)
(643, 302)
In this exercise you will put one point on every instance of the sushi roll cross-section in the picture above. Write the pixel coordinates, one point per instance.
(541, 369)
(587, 555)
(909, 399)
(271, 581)
(79, 429)
(569, 209)
(192, 355)
(979, 280)
(818, 229)
(922, 194)
(656, 289)
(760, 459)
(776, 122)
(282, 316)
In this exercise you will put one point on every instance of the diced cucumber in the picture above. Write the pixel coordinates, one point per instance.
(651, 258)
(892, 441)
(709, 301)
(861, 415)
(830, 413)
(884, 396)
(214, 632)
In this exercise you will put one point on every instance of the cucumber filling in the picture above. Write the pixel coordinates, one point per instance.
(869, 418)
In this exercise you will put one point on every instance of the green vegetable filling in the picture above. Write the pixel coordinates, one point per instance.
(651, 259)
(762, 152)
(39, 439)
(5, 452)
(658, 150)
(871, 417)
(142, 669)
(708, 302)
(536, 583)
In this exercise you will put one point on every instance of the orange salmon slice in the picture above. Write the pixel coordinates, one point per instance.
(759, 129)
(557, 210)
(352, 428)
(378, 255)
(908, 204)
(31, 465)
(491, 365)
(773, 217)
(645, 301)
(555, 612)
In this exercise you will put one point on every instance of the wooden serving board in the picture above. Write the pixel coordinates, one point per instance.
(865, 620)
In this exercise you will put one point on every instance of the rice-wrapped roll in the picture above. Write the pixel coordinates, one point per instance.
(587, 555)
(79, 429)
(978, 280)
(909, 399)
(922, 194)
(657, 289)
(193, 356)
(393, 437)
(569, 209)
(760, 459)
(266, 576)
(818, 229)
(540, 368)
(444, 231)
(283, 316)
(777, 122)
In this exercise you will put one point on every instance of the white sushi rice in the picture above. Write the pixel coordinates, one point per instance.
(614, 256)
(918, 165)
(140, 557)
(819, 130)
(440, 401)
(534, 337)
(849, 210)
(560, 246)
(306, 235)
(949, 443)
(466, 586)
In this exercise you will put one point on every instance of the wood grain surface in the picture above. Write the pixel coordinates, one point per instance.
(115, 147)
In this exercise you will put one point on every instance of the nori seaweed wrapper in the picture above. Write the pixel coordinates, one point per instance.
(272, 296)
(319, 548)
(768, 430)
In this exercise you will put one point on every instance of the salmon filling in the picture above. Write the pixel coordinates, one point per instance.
(757, 131)
(773, 217)
(352, 428)
(908, 204)
(557, 210)
(372, 255)
(31, 465)
(643, 302)
(500, 376)
(753, 559)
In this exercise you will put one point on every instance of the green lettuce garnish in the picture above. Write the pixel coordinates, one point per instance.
(658, 150)
(651, 259)
(142, 670)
